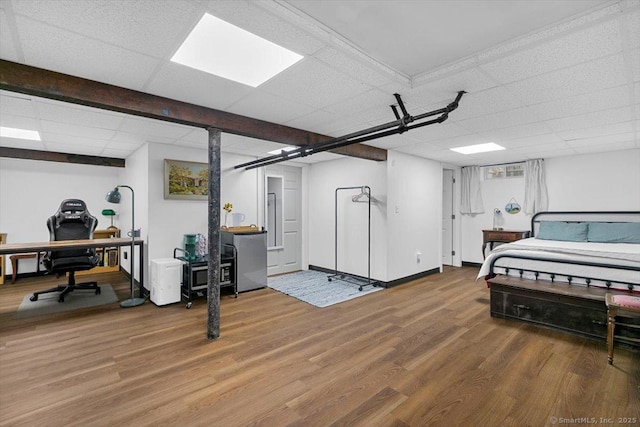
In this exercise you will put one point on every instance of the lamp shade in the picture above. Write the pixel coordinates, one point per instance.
(113, 196)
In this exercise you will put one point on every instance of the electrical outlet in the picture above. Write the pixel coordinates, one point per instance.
(418, 255)
(125, 254)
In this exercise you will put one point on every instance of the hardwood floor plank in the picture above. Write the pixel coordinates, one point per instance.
(423, 353)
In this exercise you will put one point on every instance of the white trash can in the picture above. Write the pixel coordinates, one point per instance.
(165, 281)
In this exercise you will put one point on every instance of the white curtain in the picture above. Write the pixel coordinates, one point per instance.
(535, 187)
(471, 202)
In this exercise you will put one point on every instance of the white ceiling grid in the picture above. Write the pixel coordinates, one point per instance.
(570, 86)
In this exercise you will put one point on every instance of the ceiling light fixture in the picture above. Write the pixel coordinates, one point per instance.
(6, 132)
(478, 148)
(220, 48)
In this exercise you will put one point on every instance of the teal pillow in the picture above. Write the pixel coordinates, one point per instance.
(614, 232)
(559, 230)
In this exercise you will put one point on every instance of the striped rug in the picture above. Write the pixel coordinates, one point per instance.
(313, 287)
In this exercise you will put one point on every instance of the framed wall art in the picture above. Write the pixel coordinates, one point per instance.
(186, 180)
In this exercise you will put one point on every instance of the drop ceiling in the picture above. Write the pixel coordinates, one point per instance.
(544, 79)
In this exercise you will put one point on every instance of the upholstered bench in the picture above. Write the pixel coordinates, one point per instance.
(620, 305)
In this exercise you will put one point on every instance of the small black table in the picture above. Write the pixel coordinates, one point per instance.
(195, 273)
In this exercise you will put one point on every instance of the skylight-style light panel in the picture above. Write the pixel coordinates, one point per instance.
(478, 148)
(7, 132)
(220, 48)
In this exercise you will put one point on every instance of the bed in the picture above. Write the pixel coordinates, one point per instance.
(559, 277)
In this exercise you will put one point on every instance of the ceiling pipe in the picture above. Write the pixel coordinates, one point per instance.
(400, 125)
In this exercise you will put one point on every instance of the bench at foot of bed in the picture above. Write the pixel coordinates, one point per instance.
(571, 308)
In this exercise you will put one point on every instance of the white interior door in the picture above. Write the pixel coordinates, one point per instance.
(287, 256)
(447, 217)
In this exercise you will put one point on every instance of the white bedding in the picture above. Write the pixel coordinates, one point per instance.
(627, 254)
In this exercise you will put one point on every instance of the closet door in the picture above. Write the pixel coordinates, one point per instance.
(287, 257)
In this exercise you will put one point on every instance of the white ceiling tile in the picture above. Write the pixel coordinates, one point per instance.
(19, 122)
(615, 146)
(600, 40)
(8, 46)
(312, 82)
(589, 102)
(310, 121)
(633, 27)
(16, 104)
(186, 84)
(547, 139)
(634, 60)
(459, 141)
(579, 79)
(420, 149)
(599, 118)
(392, 141)
(485, 102)
(503, 119)
(124, 144)
(603, 140)
(25, 144)
(613, 129)
(265, 106)
(75, 130)
(74, 114)
(543, 148)
(251, 16)
(199, 136)
(369, 100)
(87, 150)
(354, 68)
(154, 25)
(446, 88)
(516, 132)
(100, 61)
(154, 128)
(504, 156)
(115, 153)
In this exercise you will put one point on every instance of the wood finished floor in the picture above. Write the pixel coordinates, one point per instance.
(421, 354)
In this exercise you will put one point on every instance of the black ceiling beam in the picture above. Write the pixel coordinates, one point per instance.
(51, 156)
(392, 128)
(35, 81)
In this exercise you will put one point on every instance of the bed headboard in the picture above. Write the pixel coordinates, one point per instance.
(576, 216)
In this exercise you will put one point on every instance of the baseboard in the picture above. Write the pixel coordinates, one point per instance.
(389, 284)
(471, 264)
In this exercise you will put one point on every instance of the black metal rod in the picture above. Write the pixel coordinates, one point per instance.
(346, 140)
(401, 105)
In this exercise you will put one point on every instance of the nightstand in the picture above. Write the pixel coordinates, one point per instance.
(501, 236)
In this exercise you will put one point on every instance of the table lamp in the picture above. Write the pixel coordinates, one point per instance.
(110, 213)
(114, 196)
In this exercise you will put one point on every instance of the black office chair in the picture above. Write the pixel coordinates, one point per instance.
(72, 222)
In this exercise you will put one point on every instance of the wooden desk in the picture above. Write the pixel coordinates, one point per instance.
(501, 236)
(21, 248)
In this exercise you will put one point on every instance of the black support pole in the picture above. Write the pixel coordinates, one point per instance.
(213, 281)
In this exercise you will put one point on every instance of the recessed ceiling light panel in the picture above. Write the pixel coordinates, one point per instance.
(6, 132)
(478, 148)
(217, 47)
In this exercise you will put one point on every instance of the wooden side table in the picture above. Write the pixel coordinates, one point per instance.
(501, 236)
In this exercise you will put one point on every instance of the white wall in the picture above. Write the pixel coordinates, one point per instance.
(31, 191)
(323, 179)
(169, 219)
(601, 181)
(414, 213)
(589, 182)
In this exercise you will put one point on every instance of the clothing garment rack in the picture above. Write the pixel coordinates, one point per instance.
(365, 192)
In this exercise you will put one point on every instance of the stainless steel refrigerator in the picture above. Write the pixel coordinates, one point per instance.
(251, 258)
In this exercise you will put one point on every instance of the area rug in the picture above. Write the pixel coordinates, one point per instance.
(313, 287)
(48, 303)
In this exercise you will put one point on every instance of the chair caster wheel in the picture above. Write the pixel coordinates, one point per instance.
(98, 291)
(329, 279)
(33, 298)
(61, 299)
(360, 288)
(188, 306)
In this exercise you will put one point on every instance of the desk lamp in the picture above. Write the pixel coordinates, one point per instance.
(110, 213)
(114, 196)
